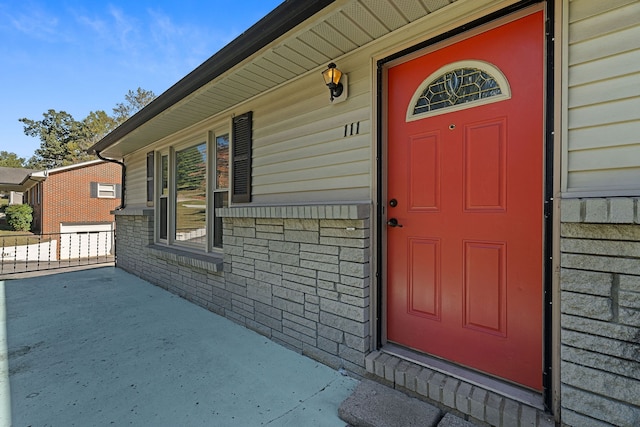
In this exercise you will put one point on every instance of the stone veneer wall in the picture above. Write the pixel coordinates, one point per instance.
(298, 275)
(600, 305)
(190, 276)
(301, 276)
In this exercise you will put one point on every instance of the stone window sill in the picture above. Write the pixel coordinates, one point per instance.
(208, 262)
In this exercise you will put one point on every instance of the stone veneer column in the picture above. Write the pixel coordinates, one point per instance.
(301, 276)
(600, 305)
(134, 233)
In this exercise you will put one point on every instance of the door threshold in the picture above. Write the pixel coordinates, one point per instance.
(506, 389)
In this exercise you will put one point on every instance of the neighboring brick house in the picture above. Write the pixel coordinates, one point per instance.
(74, 206)
(81, 194)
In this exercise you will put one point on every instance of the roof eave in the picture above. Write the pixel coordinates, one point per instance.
(278, 22)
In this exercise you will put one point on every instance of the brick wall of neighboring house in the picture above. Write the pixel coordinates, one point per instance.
(600, 304)
(67, 198)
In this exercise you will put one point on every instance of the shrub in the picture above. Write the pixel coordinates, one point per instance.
(19, 217)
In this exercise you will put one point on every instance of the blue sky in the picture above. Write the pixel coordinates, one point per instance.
(81, 56)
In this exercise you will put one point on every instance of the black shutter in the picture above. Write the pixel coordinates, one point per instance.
(241, 185)
(150, 171)
(93, 189)
(118, 191)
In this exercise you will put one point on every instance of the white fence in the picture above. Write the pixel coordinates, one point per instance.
(24, 253)
(36, 252)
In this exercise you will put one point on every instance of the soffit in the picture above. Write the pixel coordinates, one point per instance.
(339, 29)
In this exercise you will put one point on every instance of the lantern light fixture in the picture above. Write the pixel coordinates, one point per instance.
(332, 77)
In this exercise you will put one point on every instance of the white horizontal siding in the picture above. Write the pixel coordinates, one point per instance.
(614, 182)
(300, 151)
(604, 113)
(602, 91)
(136, 184)
(615, 134)
(603, 123)
(619, 157)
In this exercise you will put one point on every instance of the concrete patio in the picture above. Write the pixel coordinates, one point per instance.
(103, 347)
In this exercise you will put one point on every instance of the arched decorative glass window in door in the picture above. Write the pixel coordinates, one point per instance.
(456, 86)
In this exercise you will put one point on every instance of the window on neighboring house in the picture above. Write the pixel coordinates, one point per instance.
(33, 195)
(192, 181)
(105, 191)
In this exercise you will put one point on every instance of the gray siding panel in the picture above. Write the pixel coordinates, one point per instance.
(310, 150)
(136, 185)
(603, 126)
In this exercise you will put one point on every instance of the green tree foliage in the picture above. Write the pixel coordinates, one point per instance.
(98, 124)
(65, 141)
(11, 160)
(19, 217)
(134, 101)
(191, 166)
(60, 135)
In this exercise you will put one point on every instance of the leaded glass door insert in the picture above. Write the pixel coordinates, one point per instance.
(456, 86)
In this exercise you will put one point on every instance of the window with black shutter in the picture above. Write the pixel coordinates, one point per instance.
(242, 135)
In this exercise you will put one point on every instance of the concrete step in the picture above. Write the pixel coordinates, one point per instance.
(375, 405)
(477, 404)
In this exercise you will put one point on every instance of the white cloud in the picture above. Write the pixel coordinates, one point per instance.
(125, 28)
(34, 22)
(95, 25)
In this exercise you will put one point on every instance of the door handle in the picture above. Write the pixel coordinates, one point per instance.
(393, 223)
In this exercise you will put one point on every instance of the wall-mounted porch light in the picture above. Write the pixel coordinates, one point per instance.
(332, 79)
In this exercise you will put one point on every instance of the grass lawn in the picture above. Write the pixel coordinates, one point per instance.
(9, 237)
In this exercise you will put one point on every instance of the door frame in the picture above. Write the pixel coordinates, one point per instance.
(551, 328)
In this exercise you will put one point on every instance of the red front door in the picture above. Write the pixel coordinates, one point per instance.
(465, 262)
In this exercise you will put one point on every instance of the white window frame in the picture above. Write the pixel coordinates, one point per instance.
(170, 152)
(106, 191)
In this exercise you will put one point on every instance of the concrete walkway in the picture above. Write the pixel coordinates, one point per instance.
(101, 347)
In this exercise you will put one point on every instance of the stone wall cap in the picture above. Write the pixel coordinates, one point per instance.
(331, 211)
(133, 211)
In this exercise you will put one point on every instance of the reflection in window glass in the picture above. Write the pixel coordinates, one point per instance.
(191, 195)
(163, 218)
(221, 200)
(164, 193)
(222, 161)
(165, 175)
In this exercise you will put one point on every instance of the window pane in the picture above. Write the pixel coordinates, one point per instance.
(221, 200)
(163, 218)
(150, 173)
(106, 191)
(222, 161)
(191, 193)
(165, 176)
